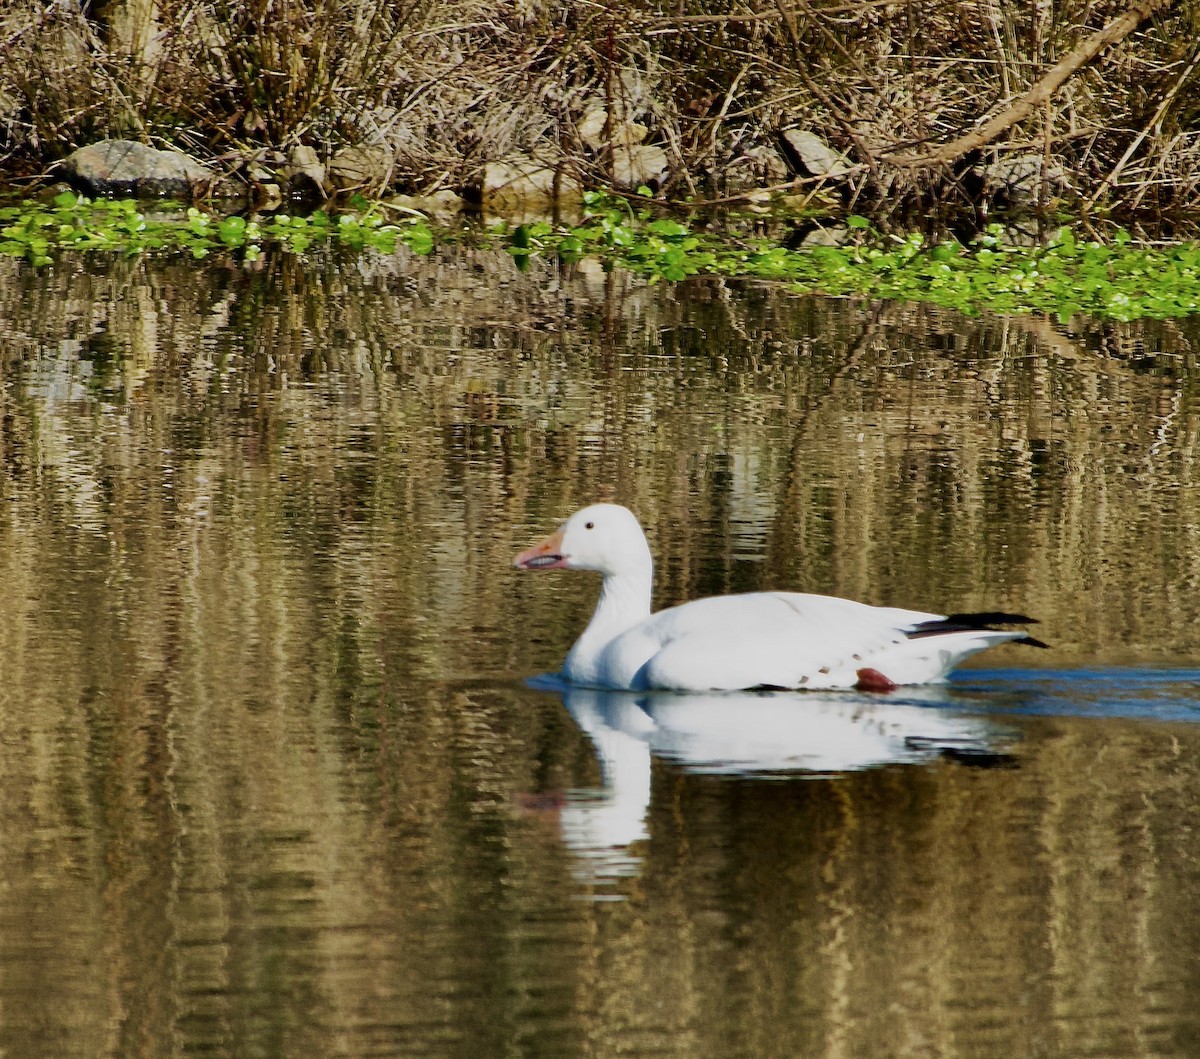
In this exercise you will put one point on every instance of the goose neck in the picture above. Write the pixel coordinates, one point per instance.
(624, 600)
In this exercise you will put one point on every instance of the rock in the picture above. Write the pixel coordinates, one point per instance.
(365, 165)
(754, 169)
(835, 235)
(591, 128)
(1017, 179)
(635, 166)
(442, 205)
(125, 167)
(767, 164)
(304, 171)
(268, 197)
(524, 186)
(621, 130)
(814, 156)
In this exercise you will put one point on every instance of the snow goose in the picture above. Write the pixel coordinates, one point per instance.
(753, 640)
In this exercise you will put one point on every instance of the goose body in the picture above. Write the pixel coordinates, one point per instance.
(751, 640)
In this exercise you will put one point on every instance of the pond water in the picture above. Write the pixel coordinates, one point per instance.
(279, 771)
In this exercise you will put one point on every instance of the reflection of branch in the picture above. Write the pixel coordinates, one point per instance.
(876, 320)
(1086, 50)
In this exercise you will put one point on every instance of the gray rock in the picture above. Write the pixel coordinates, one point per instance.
(365, 165)
(1018, 178)
(304, 170)
(268, 196)
(525, 185)
(752, 171)
(620, 129)
(442, 205)
(815, 156)
(766, 164)
(125, 167)
(635, 166)
(835, 235)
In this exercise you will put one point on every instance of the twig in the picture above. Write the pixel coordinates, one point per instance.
(1117, 30)
(810, 83)
(1172, 92)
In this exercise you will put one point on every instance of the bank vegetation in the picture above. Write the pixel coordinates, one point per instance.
(885, 108)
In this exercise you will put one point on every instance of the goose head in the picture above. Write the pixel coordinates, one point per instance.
(606, 538)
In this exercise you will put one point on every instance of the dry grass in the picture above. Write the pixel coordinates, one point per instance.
(443, 88)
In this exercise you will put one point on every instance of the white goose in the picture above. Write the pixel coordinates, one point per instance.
(754, 640)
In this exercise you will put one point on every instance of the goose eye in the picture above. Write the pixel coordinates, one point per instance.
(590, 525)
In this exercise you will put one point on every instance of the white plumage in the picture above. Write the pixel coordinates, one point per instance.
(757, 639)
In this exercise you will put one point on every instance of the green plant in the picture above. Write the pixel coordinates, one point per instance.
(1117, 279)
(35, 230)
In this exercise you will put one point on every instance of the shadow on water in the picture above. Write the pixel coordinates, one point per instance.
(1126, 692)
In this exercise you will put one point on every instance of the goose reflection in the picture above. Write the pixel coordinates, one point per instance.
(764, 734)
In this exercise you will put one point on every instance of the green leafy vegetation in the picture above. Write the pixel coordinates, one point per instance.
(34, 230)
(1116, 279)
(1064, 276)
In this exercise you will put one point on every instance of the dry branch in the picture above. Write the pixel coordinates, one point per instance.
(1040, 93)
(438, 90)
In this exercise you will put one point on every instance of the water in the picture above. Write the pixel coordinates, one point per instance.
(275, 779)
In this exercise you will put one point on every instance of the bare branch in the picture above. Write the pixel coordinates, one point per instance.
(1078, 57)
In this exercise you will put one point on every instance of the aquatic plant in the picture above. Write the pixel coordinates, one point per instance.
(1066, 275)
(34, 230)
(1116, 279)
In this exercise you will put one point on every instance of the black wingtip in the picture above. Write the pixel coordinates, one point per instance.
(975, 621)
(982, 619)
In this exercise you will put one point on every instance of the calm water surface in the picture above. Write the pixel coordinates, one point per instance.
(275, 779)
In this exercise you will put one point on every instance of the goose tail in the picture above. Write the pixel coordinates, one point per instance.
(977, 621)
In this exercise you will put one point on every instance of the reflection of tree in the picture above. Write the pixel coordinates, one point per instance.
(255, 542)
